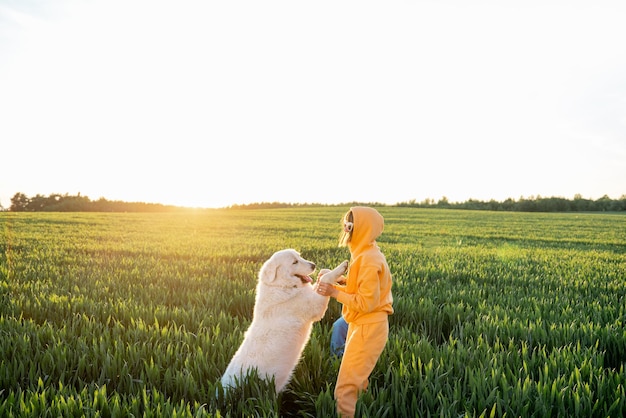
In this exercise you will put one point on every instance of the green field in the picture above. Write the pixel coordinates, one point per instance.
(497, 313)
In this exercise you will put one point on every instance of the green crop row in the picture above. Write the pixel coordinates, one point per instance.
(496, 314)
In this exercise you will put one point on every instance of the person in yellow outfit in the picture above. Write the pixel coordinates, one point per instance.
(367, 303)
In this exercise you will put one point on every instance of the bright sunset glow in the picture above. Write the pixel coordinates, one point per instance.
(210, 104)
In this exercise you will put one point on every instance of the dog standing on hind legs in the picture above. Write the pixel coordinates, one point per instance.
(286, 306)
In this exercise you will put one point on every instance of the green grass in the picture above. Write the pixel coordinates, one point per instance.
(496, 314)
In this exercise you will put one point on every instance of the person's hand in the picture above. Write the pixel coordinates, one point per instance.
(326, 289)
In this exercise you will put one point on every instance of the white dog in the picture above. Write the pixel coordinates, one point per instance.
(286, 306)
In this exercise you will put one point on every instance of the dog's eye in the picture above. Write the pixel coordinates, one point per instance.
(295, 262)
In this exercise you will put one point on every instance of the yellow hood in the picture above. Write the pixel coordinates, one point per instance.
(368, 225)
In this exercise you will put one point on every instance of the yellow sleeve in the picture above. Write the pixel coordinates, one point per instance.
(367, 295)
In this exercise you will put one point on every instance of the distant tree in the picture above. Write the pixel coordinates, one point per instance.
(603, 204)
(443, 203)
(622, 202)
(581, 204)
(526, 205)
(19, 203)
(38, 203)
(493, 205)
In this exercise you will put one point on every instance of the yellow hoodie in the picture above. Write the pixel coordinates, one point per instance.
(366, 296)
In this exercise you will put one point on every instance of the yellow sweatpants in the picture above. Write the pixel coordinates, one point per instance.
(364, 344)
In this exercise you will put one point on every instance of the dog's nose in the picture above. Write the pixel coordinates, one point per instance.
(313, 265)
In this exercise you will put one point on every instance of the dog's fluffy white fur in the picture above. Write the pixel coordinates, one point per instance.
(286, 306)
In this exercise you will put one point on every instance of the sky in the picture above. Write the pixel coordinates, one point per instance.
(216, 103)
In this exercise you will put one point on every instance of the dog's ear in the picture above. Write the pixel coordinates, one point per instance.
(268, 271)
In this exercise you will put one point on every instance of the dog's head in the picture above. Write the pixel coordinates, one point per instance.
(286, 268)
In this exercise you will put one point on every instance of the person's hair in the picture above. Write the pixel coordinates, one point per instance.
(345, 237)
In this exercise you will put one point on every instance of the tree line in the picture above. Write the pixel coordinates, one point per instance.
(68, 203)
(530, 204)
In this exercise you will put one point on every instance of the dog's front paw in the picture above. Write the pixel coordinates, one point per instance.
(333, 275)
(322, 272)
